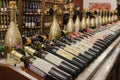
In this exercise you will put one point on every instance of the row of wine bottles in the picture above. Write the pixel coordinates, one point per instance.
(30, 31)
(31, 22)
(65, 57)
(32, 7)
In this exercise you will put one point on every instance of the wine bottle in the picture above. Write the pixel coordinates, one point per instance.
(65, 55)
(81, 48)
(60, 63)
(71, 50)
(83, 22)
(43, 67)
(13, 37)
(92, 21)
(55, 27)
(70, 25)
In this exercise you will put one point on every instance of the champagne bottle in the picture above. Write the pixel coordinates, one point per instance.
(97, 24)
(77, 24)
(60, 63)
(83, 22)
(41, 67)
(88, 19)
(70, 25)
(92, 21)
(100, 19)
(13, 37)
(55, 28)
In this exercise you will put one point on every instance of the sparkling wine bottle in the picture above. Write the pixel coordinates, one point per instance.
(13, 37)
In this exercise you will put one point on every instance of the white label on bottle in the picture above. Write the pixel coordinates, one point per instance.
(42, 65)
(2, 9)
(65, 54)
(54, 59)
(36, 70)
(71, 50)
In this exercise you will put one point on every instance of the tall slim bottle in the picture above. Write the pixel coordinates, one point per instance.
(77, 21)
(13, 37)
(70, 25)
(83, 22)
(55, 27)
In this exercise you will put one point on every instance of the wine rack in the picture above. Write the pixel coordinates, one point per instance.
(5, 18)
(31, 17)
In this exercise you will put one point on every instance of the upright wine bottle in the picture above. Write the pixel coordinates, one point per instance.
(83, 22)
(55, 27)
(42, 67)
(70, 25)
(13, 37)
(60, 63)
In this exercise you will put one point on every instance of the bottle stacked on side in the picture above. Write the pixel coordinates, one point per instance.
(72, 55)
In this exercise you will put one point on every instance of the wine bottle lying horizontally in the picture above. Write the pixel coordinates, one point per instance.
(59, 62)
(42, 67)
(59, 52)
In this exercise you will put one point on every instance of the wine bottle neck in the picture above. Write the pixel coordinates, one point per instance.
(12, 15)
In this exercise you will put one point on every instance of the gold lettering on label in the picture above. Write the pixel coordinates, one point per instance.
(71, 50)
(65, 54)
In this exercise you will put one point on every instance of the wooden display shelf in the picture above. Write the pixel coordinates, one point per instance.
(12, 73)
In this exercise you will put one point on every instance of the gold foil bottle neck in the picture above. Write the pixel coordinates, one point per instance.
(12, 5)
(16, 55)
(55, 30)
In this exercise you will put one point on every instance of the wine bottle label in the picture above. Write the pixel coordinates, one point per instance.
(42, 65)
(77, 49)
(88, 43)
(65, 54)
(36, 70)
(53, 59)
(82, 47)
(71, 50)
(2, 9)
(29, 50)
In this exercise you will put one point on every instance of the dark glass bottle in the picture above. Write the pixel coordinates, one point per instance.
(41, 67)
(60, 63)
